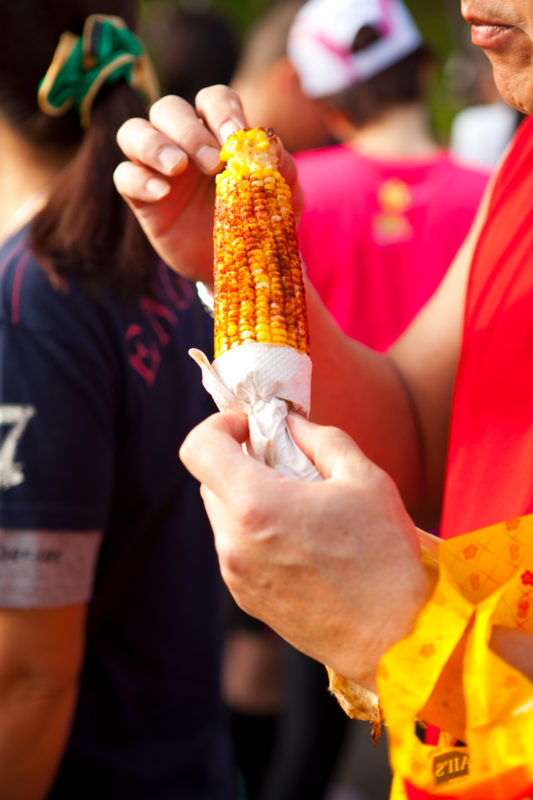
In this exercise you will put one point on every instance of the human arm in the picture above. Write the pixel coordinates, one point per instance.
(334, 566)
(41, 652)
(395, 406)
(55, 460)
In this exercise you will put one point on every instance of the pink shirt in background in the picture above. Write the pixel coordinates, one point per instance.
(377, 236)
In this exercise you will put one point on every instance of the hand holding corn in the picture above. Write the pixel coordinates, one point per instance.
(176, 210)
(168, 177)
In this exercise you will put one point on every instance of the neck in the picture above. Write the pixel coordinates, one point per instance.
(401, 133)
(24, 179)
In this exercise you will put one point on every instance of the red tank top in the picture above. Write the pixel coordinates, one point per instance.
(490, 461)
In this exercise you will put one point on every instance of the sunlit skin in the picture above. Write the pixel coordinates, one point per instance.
(503, 29)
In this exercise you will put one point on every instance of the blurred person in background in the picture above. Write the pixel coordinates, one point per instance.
(269, 85)
(386, 210)
(191, 47)
(110, 623)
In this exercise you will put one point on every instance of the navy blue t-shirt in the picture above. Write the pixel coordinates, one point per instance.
(96, 396)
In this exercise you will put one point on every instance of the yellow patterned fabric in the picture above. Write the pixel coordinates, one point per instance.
(485, 579)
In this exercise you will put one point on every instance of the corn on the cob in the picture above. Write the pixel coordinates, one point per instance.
(259, 292)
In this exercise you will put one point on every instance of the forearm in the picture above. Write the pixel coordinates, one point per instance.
(362, 392)
(35, 721)
(41, 657)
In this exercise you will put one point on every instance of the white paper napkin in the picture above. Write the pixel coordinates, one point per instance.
(264, 381)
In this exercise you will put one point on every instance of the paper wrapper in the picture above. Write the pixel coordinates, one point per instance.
(266, 382)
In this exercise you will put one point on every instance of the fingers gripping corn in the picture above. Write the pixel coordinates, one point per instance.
(259, 292)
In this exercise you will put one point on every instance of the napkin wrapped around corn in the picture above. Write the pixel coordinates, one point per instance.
(262, 365)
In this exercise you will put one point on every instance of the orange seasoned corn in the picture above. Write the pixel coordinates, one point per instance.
(259, 291)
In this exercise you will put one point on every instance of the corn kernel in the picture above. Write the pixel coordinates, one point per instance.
(259, 293)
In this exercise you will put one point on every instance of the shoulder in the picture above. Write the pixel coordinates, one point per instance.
(36, 313)
(322, 160)
(27, 294)
(327, 175)
(464, 171)
(465, 183)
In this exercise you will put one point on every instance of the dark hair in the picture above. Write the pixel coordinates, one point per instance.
(399, 84)
(190, 48)
(85, 225)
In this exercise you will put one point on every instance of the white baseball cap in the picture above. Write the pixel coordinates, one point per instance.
(323, 32)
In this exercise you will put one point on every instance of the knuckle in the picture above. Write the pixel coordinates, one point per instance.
(190, 129)
(120, 176)
(252, 514)
(202, 95)
(165, 104)
(122, 132)
(208, 93)
(187, 448)
(379, 481)
(233, 563)
(331, 436)
(129, 130)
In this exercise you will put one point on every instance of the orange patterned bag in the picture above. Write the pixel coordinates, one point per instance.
(485, 579)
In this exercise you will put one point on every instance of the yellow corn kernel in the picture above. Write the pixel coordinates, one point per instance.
(259, 290)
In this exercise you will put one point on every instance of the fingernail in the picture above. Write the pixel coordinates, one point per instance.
(227, 129)
(157, 188)
(208, 157)
(169, 157)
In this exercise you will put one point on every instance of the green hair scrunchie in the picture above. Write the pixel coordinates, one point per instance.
(106, 52)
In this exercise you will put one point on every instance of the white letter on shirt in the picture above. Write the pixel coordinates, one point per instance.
(18, 416)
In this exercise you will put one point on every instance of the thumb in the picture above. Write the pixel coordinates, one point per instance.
(211, 449)
(332, 451)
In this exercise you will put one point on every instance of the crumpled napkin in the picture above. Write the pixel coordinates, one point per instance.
(266, 382)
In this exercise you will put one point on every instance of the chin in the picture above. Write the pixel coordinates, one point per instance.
(516, 93)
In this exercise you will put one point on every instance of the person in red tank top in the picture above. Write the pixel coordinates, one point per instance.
(491, 445)
(334, 566)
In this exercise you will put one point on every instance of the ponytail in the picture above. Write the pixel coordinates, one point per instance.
(97, 78)
(86, 226)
